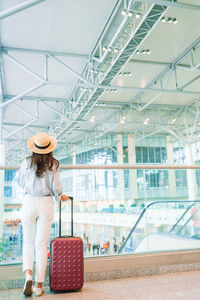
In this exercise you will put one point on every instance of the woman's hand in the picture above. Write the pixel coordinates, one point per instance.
(64, 198)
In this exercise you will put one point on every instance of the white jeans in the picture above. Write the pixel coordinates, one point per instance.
(37, 217)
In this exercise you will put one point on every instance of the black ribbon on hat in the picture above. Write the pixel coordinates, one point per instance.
(44, 147)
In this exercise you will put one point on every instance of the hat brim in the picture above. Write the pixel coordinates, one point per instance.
(50, 148)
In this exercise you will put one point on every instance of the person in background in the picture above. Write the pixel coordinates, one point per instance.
(98, 248)
(89, 247)
(40, 179)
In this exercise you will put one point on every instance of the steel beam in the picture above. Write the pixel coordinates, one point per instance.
(105, 29)
(158, 63)
(56, 111)
(14, 136)
(104, 88)
(13, 10)
(166, 70)
(16, 145)
(189, 82)
(2, 76)
(44, 52)
(22, 66)
(25, 111)
(157, 96)
(71, 70)
(37, 98)
(2, 94)
(21, 95)
(173, 3)
(19, 129)
(21, 125)
(195, 122)
(135, 39)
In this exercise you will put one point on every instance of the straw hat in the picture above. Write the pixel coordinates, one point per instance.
(42, 143)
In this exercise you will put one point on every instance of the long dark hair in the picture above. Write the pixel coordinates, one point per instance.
(43, 162)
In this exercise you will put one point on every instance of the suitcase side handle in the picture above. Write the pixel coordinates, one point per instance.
(72, 202)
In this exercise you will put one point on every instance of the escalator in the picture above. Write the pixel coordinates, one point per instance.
(165, 225)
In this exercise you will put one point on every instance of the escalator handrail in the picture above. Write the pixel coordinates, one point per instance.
(143, 212)
(181, 217)
(189, 219)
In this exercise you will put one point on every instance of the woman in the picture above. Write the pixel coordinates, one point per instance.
(39, 177)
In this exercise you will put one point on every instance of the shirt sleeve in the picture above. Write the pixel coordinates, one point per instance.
(56, 186)
(20, 177)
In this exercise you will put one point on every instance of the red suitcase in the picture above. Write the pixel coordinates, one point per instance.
(66, 260)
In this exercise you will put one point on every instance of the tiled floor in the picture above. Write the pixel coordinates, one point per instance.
(183, 286)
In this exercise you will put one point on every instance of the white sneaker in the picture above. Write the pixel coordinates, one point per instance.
(38, 291)
(28, 286)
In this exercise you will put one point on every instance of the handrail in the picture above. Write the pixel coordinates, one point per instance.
(189, 219)
(181, 217)
(143, 212)
(117, 166)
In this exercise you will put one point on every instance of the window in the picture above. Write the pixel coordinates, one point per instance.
(7, 191)
(181, 178)
(179, 155)
(138, 154)
(151, 155)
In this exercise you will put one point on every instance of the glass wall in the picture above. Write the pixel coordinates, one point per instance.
(105, 223)
(108, 202)
(150, 150)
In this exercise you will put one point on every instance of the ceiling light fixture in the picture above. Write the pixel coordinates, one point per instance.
(116, 50)
(122, 120)
(130, 14)
(169, 20)
(144, 51)
(163, 20)
(86, 89)
(175, 21)
(146, 121)
(125, 74)
(111, 90)
(92, 119)
(138, 15)
(127, 13)
(174, 120)
(124, 12)
(110, 49)
(94, 71)
(83, 89)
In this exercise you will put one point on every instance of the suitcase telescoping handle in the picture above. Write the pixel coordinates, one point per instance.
(71, 198)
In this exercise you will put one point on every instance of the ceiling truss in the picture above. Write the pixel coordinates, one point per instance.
(16, 9)
(101, 68)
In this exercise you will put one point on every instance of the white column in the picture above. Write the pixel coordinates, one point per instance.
(171, 173)
(120, 172)
(191, 174)
(74, 171)
(132, 161)
(2, 162)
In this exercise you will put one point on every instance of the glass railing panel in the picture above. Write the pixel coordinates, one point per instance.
(165, 226)
(107, 206)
